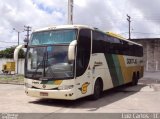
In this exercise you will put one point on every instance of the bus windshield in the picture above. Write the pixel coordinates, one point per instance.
(53, 37)
(47, 57)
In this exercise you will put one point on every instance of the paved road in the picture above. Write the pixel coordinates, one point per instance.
(141, 98)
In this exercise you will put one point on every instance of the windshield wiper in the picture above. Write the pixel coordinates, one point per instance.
(38, 66)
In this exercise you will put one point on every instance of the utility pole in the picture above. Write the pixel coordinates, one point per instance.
(28, 29)
(70, 11)
(129, 28)
(18, 34)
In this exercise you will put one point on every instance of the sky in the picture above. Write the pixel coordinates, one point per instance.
(107, 15)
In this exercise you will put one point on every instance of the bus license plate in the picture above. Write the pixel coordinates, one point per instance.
(43, 94)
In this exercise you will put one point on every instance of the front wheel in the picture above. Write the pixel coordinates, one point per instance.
(97, 90)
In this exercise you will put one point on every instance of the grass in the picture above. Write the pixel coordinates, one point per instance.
(13, 79)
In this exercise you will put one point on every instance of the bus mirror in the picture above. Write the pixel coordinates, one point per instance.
(71, 50)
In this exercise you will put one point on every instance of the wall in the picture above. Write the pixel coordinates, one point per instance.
(151, 49)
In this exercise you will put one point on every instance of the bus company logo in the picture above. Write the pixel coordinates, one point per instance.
(84, 87)
(44, 86)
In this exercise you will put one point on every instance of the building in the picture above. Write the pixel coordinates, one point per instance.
(151, 49)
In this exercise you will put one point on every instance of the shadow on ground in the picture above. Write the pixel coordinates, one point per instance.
(108, 97)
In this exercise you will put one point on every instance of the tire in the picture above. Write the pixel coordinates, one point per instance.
(134, 79)
(97, 90)
(138, 76)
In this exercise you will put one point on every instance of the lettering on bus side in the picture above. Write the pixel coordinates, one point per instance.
(98, 63)
(131, 61)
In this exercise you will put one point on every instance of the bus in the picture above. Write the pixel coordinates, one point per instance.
(74, 61)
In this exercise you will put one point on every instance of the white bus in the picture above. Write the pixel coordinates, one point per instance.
(74, 61)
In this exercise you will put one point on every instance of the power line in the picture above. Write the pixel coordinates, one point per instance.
(7, 46)
(18, 33)
(140, 33)
(7, 42)
(145, 33)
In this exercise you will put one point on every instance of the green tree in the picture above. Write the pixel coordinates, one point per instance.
(9, 53)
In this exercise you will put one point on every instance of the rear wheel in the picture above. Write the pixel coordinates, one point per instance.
(97, 90)
(135, 78)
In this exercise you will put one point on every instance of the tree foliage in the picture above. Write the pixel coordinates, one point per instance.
(9, 53)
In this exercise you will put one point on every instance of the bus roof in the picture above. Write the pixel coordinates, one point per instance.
(115, 35)
(121, 38)
(83, 26)
(62, 27)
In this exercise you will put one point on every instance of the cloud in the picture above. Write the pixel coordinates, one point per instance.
(95, 13)
(16, 14)
(108, 15)
(147, 21)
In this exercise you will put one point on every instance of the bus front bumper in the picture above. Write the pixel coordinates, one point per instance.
(51, 94)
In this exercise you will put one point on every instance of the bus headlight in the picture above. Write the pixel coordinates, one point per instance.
(65, 87)
(28, 85)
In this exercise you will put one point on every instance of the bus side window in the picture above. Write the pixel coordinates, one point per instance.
(98, 42)
(139, 50)
(114, 45)
(125, 48)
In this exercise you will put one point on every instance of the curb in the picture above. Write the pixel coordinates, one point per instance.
(13, 83)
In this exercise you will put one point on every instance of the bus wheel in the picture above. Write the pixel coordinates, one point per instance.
(137, 78)
(134, 79)
(97, 90)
